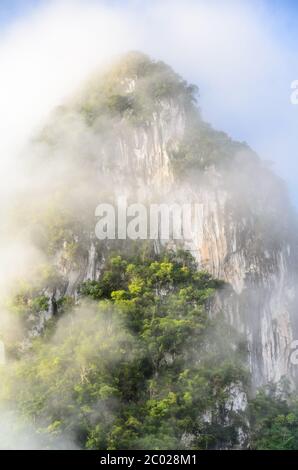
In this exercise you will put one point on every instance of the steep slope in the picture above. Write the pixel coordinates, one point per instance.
(146, 139)
(135, 130)
(137, 364)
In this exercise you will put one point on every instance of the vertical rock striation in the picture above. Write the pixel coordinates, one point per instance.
(145, 138)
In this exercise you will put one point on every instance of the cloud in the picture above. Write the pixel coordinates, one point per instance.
(232, 50)
(44, 57)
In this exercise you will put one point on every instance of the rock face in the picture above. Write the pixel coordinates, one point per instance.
(149, 141)
(263, 303)
(258, 260)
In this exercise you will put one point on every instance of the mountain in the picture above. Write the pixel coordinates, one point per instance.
(154, 142)
(135, 131)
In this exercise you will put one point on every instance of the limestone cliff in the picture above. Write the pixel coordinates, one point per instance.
(138, 131)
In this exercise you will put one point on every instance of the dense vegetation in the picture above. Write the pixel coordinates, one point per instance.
(137, 364)
(134, 88)
(273, 417)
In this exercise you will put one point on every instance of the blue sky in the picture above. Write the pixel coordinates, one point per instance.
(11, 9)
(244, 81)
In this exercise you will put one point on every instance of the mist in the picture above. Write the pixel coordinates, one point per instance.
(87, 340)
(231, 46)
(47, 58)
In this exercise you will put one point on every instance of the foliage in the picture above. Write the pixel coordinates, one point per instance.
(202, 147)
(134, 87)
(139, 366)
(274, 419)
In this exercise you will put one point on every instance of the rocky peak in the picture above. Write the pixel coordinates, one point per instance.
(136, 129)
